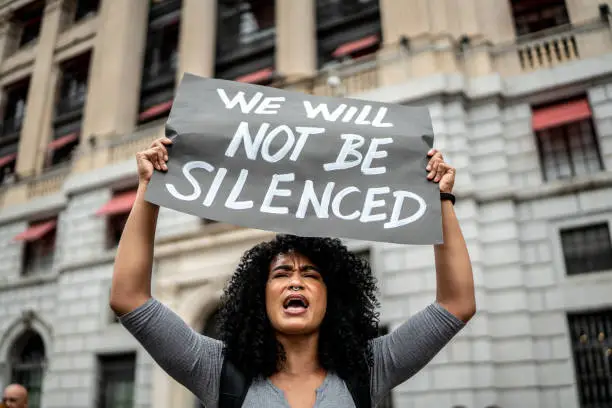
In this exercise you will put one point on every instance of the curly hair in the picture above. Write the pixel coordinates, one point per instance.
(350, 321)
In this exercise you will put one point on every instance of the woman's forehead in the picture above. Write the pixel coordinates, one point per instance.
(290, 256)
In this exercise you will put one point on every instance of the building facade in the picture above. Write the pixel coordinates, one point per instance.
(520, 94)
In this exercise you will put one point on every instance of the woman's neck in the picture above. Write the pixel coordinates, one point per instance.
(301, 354)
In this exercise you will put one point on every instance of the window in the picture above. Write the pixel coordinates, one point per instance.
(13, 114)
(27, 365)
(39, 247)
(73, 88)
(85, 9)
(117, 210)
(347, 29)
(533, 16)
(116, 374)
(29, 19)
(72, 94)
(14, 111)
(160, 63)
(587, 248)
(566, 139)
(591, 339)
(246, 34)
(246, 22)
(7, 168)
(116, 224)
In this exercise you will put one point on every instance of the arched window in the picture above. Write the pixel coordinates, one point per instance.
(27, 365)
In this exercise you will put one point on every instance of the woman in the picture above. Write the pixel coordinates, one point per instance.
(298, 317)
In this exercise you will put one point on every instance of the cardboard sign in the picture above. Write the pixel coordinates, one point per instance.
(288, 162)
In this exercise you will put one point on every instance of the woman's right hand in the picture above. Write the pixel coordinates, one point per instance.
(155, 157)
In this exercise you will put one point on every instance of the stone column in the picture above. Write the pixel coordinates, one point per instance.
(296, 38)
(40, 95)
(495, 19)
(476, 56)
(581, 11)
(198, 38)
(116, 69)
(409, 19)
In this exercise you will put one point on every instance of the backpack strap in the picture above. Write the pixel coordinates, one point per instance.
(360, 391)
(233, 386)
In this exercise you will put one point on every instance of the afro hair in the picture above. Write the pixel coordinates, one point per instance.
(350, 321)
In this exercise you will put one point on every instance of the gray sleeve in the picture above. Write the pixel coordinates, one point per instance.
(192, 359)
(402, 353)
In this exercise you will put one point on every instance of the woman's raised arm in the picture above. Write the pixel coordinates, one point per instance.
(131, 283)
(405, 351)
(454, 280)
(190, 358)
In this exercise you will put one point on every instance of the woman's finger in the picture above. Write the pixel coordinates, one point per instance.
(434, 168)
(163, 142)
(442, 167)
(153, 156)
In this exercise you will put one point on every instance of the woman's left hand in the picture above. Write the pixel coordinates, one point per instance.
(440, 172)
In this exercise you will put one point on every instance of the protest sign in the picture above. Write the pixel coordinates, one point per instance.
(276, 160)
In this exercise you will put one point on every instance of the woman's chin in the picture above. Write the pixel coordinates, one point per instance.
(296, 327)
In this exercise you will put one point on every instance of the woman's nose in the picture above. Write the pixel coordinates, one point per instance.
(296, 281)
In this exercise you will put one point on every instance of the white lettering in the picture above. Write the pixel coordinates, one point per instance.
(380, 116)
(251, 147)
(361, 119)
(304, 132)
(265, 149)
(369, 204)
(239, 98)
(214, 187)
(394, 221)
(338, 200)
(268, 103)
(274, 191)
(349, 114)
(321, 208)
(351, 144)
(197, 190)
(372, 153)
(313, 112)
(231, 201)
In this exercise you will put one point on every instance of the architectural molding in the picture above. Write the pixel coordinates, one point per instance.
(102, 177)
(29, 320)
(198, 243)
(23, 282)
(583, 71)
(39, 208)
(550, 189)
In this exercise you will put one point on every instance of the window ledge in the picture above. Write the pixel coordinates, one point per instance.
(604, 276)
(25, 281)
(544, 190)
(105, 258)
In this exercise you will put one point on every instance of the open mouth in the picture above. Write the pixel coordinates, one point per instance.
(295, 303)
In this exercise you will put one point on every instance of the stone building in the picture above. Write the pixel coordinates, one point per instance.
(520, 93)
